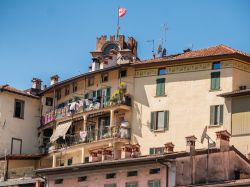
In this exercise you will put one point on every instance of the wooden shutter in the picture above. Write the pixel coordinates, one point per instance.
(212, 112)
(221, 114)
(166, 120)
(160, 87)
(152, 123)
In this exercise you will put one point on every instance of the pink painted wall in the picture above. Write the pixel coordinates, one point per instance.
(99, 179)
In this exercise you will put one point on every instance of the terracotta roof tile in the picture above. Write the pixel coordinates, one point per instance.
(210, 51)
(16, 91)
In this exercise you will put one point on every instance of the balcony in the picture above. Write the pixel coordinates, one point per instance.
(83, 105)
(91, 136)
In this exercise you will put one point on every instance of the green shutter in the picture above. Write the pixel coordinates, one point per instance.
(86, 96)
(108, 94)
(152, 123)
(151, 151)
(160, 87)
(166, 120)
(212, 112)
(94, 93)
(99, 93)
(221, 114)
(215, 80)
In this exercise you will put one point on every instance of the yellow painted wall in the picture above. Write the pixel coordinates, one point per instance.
(25, 129)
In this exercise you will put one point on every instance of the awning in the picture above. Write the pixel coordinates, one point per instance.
(60, 131)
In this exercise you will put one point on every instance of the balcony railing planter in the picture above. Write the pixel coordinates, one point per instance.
(93, 135)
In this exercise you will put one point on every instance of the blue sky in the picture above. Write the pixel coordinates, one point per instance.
(41, 38)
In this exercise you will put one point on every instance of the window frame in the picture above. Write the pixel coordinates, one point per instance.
(160, 86)
(152, 150)
(215, 79)
(67, 90)
(129, 184)
(110, 175)
(120, 73)
(58, 93)
(103, 75)
(133, 173)
(154, 126)
(156, 180)
(90, 79)
(47, 100)
(82, 178)
(74, 87)
(214, 65)
(22, 108)
(159, 71)
(58, 181)
(216, 115)
(153, 171)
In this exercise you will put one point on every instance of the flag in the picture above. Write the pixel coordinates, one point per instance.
(122, 12)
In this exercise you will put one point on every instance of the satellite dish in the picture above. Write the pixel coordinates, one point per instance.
(204, 134)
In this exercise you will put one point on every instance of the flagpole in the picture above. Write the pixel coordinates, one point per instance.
(118, 26)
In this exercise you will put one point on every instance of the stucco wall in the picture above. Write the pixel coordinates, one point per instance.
(98, 178)
(188, 99)
(25, 129)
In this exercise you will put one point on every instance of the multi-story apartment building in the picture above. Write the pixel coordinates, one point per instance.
(124, 100)
(19, 120)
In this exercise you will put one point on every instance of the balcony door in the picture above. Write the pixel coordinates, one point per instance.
(104, 124)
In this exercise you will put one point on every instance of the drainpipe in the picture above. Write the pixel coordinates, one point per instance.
(162, 163)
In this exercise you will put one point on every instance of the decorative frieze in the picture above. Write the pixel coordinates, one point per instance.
(193, 68)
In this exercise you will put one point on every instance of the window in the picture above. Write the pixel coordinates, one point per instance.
(131, 184)
(90, 81)
(86, 159)
(19, 109)
(58, 181)
(162, 71)
(216, 115)
(160, 87)
(70, 161)
(67, 90)
(159, 120)
(132, 173)
(216, 65)
(215, 80)
(105, 77)
(110, 175)
(123, 73)
(154, 171)
(81, 179)
(74, 85)
(109, 185)
(156, 150)
(58, 93)
(154, 183)
(49, 101)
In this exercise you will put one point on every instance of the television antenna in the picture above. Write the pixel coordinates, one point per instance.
(153, 46)
(209, 145)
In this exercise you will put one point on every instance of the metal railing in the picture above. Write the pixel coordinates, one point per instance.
(92, 136)
(83, 105)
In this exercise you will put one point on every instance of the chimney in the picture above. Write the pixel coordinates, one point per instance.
(107, 154)
(191, 144)
(126, 151)
(222, 140)
(54, 79)
(112, 38)
(169, 147)
(121, 41)
(135, 150)
(36, 83)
